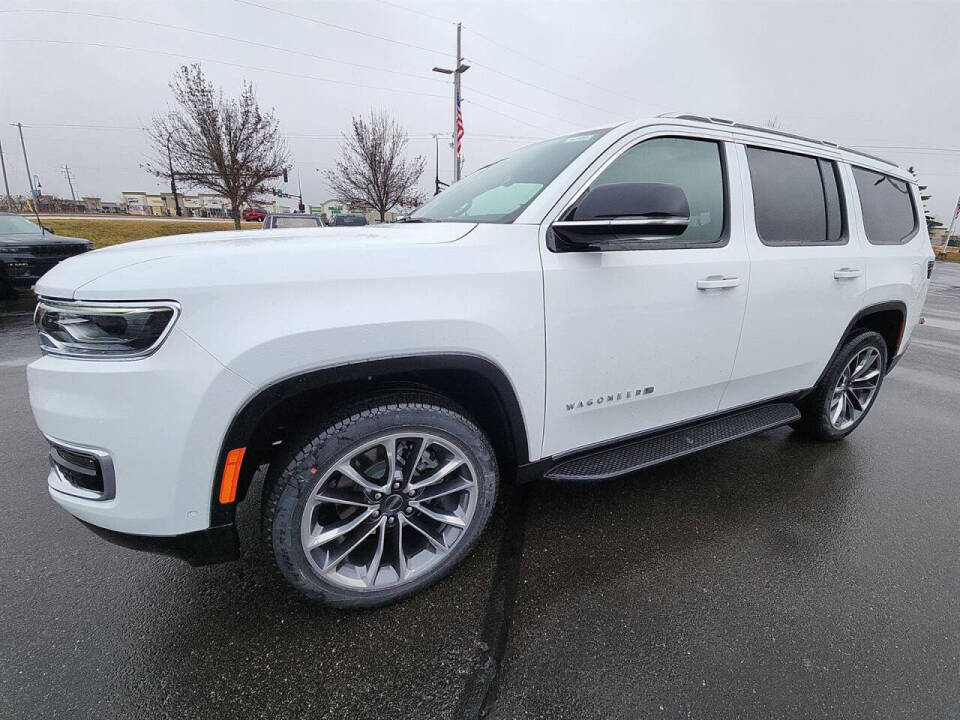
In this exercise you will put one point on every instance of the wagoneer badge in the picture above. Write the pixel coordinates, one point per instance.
(609, 399)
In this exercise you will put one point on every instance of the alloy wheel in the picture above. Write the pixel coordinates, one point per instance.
(389, 510)
(855, 388)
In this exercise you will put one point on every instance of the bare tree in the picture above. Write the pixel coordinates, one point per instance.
(227, 146)
(372, 170)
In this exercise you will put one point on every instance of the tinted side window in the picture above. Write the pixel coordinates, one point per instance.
(889, 217)
(694, 166)
(288, 222)
(796, 198)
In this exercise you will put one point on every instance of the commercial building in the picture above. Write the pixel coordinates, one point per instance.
(339, 207)
(202, 205)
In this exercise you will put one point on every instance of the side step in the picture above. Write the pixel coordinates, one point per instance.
(655, 449)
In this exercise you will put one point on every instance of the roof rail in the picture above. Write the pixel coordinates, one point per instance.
(771, 131)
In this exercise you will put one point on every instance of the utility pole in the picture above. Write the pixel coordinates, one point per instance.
(173, 180)
(69, 177)
(6, 185)
(457, 71)
(34, 196)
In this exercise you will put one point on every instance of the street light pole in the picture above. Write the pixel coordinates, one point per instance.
(457, 71)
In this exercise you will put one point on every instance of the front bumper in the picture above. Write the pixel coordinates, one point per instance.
(161, 420)
(203, 547)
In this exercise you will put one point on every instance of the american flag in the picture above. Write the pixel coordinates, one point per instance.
(955, 215)
(459, 125)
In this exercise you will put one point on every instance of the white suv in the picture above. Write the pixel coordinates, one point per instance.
(586, 307)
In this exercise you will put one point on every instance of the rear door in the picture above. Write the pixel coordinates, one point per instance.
(645, 335)
(807, 274)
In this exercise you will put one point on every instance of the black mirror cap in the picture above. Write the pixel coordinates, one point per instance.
(46, 229)
(632, 199)
(621, 202)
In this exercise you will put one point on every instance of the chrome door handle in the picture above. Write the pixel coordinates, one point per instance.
(713, 282)
(847, 273)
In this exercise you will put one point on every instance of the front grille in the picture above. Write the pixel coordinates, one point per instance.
(57, 250)
(79, 469)
(29, 269)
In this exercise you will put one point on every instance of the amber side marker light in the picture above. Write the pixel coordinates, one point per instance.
(231, 473)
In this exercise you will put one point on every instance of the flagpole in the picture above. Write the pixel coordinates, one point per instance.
(946, 238)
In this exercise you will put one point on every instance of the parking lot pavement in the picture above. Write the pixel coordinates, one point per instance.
(771, 577)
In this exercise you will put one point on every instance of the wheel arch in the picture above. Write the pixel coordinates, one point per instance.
(479, 385)
(886, 318)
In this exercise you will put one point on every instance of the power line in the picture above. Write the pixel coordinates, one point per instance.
(511, 117)
(528, 58)
(229, 38)
(296, 52)
(303, 76)
(617, 93)
(417, 12)
(520, 107)
(542, 89)
(340, 27)
(73, 126)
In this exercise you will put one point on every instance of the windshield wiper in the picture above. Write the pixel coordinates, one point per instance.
(417, 220)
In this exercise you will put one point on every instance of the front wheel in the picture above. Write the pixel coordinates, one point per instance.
(847, 390)
(382, 502)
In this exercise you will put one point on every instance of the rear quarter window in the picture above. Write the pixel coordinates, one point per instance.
(889, 216)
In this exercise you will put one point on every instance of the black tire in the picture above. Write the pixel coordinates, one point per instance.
(815, 408)
(317, 450)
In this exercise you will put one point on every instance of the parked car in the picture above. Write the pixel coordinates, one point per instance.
(275, 221)
(587, 307)
(253, 214)
(26, 252)
(347, 220)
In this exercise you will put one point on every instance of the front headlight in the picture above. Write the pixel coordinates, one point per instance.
(103, 331)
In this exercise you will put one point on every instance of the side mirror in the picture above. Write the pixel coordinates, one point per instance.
(46, 229)
(622, 215)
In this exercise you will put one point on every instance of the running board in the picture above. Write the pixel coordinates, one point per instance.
(655, 449)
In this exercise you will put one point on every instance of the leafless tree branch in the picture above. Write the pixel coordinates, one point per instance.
(372, 170)
(227, 146)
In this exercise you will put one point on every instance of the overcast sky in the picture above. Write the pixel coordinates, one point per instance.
(878, 74)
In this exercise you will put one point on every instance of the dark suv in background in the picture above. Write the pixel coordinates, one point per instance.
(27, 252)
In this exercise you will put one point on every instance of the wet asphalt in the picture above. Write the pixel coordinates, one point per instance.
(768, 578)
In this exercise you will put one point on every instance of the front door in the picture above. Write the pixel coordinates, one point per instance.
(644, 337)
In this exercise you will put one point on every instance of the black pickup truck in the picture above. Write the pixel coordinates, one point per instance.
(27, 252)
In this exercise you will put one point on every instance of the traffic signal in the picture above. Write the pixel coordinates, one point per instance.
(284, 174)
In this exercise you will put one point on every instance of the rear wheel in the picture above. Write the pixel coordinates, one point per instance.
(382, 501)
(847, 390)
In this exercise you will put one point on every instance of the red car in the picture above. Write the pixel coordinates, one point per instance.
(254, 214)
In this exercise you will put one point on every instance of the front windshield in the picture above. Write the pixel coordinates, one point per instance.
(11, 224)
(499, 192)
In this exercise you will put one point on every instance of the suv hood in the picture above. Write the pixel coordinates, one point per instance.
(38, 239)
(232, 252)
